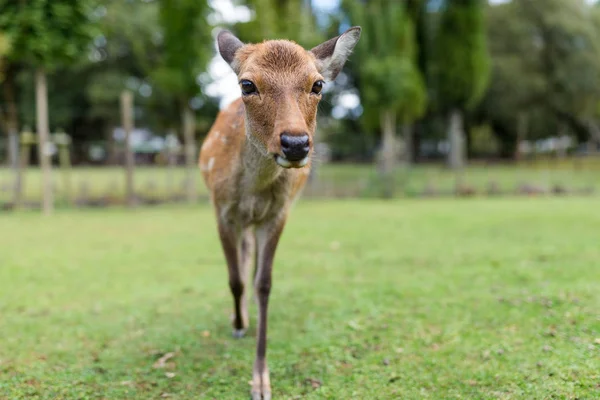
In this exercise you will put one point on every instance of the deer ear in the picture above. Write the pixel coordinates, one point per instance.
(332, 54)
(228, 44)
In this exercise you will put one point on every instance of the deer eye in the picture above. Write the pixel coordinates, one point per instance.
(317, 87)
(248, 87)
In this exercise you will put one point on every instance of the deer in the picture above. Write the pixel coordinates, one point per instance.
(256, 159)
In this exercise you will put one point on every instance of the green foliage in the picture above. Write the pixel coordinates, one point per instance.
(186, 46)
(5, 46)
(281, 19)
(569, 54)
(545, 68)
(461, 61)
(47, 33)
(388, 74)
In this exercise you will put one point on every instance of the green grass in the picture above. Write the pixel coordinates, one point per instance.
(432, 299)
(334, 179)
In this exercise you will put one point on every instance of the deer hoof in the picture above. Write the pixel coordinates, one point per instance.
(238, 333)
(261, 388)
(261, 396)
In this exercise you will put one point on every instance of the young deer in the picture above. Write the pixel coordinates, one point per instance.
(256, 158)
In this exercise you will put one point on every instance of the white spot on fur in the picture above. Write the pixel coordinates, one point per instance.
(208, 166)
(224, 139)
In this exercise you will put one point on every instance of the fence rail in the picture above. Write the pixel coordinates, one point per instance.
(104, 186)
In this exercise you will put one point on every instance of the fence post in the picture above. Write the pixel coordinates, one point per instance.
(63, 142)
(44, 154)
(26, 140)
(127, 122)
(171, 146)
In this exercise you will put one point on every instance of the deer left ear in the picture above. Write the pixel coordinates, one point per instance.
(332, 54)
(228, 45)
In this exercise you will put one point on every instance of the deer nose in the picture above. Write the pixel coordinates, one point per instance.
(295, 147)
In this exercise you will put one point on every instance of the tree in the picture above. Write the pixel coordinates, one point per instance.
(125, 53)
(8, 117)
(461, 68)
(186, 48)
(392, 87)
(569, 59)
(545, 71)
(281, 19)
(46, 34)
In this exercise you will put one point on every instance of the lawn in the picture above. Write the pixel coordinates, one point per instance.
(334, 180)
(430, 299)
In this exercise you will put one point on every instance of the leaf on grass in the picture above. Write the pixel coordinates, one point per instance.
(315, 383)
(354, 325)
(162, 362)
(170, 374)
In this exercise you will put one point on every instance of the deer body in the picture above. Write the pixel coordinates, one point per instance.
(256, 159)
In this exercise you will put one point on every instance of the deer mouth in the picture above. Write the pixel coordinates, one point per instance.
(285, 163)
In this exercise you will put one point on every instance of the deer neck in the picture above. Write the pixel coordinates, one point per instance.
(259, 169)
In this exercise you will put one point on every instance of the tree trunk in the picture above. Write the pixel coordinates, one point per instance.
(408, 135)
(128, 123)
(189, 130)
(44, 149)
(11, 121)
(417, 134)
(594, 139)
(110, 144)
(468, 135)
(456, 140)
(313, 177)
(562, 145)
(522, 127)
(388, 153)
(171, 162)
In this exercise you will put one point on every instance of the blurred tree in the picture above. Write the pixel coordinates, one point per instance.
(392, 87)
(569, 57)
(186, 50)
(4, 49)
(9, 115)
(516, 84)
(124, 53)
(545, 73)
(46, 34)
(281, 19)
(461, 68)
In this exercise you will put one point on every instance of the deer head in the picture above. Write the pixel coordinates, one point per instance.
(281, 85)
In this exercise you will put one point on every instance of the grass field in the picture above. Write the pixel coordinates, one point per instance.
(431, 299)
(334, 180)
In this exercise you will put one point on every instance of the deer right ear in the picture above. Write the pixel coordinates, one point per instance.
(228, 45)
(332, 55)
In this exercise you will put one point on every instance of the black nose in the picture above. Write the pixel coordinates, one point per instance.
(295, 147)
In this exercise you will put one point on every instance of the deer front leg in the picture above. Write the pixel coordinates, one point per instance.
(237, 248)
(267, 237)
